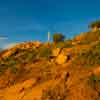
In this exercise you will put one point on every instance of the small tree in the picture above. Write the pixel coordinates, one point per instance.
(95, 24)
(58, 37)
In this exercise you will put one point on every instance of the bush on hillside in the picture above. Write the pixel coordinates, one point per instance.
(89, 57)
(46, 72)
(95, 24)
(92, 36)
(94, 79)
(20, 56)
(84, 42)
(68, 43)
(63, 45)
(44, 52)
(6, 63)
(29, 55)
(59, 92)
(94, 82)
(58, 37)
(87, 37)
(2, 68)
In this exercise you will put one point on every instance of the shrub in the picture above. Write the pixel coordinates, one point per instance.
(44, 52)
(82, 42)
(89, 57)
(3, 67)
(58, 37)
(95, 24)
(29, 55)
(88, 37)
(14, 70)
(91, 37)
(58, 92)
(25, 55)
(20, 56)
(94, 80)
(63, 45)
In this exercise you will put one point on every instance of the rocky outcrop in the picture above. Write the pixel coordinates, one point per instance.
(96, 71)
(61, 55)
(61, 59)
(25, 45)
(56, 51)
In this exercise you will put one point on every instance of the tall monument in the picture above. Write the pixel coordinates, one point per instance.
(48, 37)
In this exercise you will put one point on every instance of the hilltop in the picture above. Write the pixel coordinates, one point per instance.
(66, 70)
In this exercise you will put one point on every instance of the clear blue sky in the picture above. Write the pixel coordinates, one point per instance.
(23, 20)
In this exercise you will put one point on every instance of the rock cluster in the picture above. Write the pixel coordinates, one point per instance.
(60, 56)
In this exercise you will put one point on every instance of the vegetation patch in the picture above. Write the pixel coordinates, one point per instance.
(59, 92)
(44, 52)
(94, 81)
(90, 37)
(65, 44)
(89, 57)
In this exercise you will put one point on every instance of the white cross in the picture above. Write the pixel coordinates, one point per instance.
(48, 36)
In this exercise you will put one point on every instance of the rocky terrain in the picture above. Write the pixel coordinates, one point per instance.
(41, 71)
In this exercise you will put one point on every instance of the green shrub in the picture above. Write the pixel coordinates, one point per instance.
(20, 56)
(3, 67)
(60, 45)
(95, 24)
(83, 42)
(25, 55)
(89, 57)
(29, 55)
(58, 37)
(93, 80)
(44, 52)
(63, 45)
(59, 92)
(90, 37)
(14, 70)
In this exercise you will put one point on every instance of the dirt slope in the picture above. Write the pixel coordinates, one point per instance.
(36, 71)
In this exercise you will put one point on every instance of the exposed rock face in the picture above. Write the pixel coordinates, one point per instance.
(60, 55)
(37, 44)
(56, 51)
(8, 53)
(24, 45)
(34, 44)
(62, 79)
(96, 71)
(94, 29)
(61, 59)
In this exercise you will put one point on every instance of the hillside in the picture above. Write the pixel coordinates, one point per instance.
(68, 70)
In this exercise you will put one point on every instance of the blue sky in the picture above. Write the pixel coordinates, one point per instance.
(24, 20)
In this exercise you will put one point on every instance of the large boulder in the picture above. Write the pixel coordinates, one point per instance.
(61, 59)
(7, 54)
(26, 45)
(37, 44)
(56, 51)
(96, 71)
